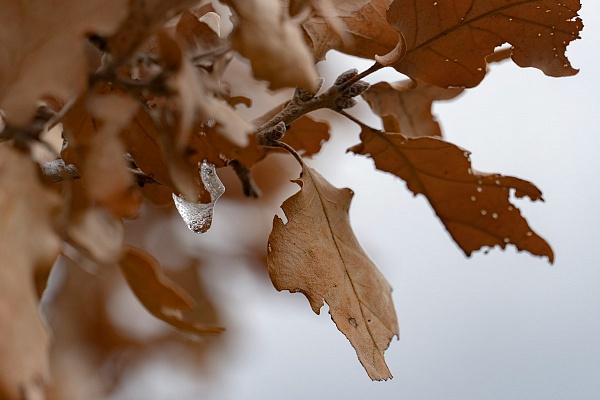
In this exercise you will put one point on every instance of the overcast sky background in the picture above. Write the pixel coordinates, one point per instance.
(504, 325)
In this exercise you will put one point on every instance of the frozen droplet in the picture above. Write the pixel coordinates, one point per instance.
(497, 181)
(198, 216)
(495, 216)
(269, 249)
(473, 198)
(479, 189)
(510, 208)
(529, 233)
(483, 212)
(506, 240)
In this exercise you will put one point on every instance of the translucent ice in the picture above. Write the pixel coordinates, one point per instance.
(198, 216)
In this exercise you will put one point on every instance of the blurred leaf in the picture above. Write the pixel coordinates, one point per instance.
(43, 49)
(29, 245)
(161, 297)
(273, 44)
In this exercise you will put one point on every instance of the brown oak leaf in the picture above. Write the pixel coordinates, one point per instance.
(29, 246)
(162, 297)
(448, 40)
(364, 30)
(92, 127)
(44, 56)
(474, 207)
(273, 44)
(317, 254)
(145, 18)
(200, 37)
(405, 106)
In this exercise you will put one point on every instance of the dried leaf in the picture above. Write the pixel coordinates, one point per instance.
(92, 127)
(29, 245)
(273, 44)
(448, 40)
(405, 106)
(200, 37)
(473, 206)
(316, 253)
(97, 233)
(364, 32)
(306, 135)
(161, 296)
(145, 18)
(195, 100)
(44, 56)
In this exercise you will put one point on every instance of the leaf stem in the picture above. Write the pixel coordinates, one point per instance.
(290, 149)
(357, 121)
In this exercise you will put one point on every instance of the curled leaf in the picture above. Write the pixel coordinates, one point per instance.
(362, 31)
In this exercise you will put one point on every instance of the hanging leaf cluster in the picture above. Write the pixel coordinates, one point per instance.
(141, 97)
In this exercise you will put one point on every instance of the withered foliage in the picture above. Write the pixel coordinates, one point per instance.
(140, 102)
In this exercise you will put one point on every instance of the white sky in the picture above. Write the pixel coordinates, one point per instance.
(500, 326)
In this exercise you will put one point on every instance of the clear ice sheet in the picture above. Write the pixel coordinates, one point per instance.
(198, 216)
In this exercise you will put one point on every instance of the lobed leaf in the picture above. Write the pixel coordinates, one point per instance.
(316, 253)
(405, 106)
(448, 40)
(474, 207)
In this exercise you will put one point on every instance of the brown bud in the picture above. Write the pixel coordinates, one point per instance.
(346, 76)
(356, 89)
(345, 102)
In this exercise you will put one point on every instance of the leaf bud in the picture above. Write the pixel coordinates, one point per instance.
(304, 95)
(345, 102)
(356, 89)
(275, 133)
(346, 76)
